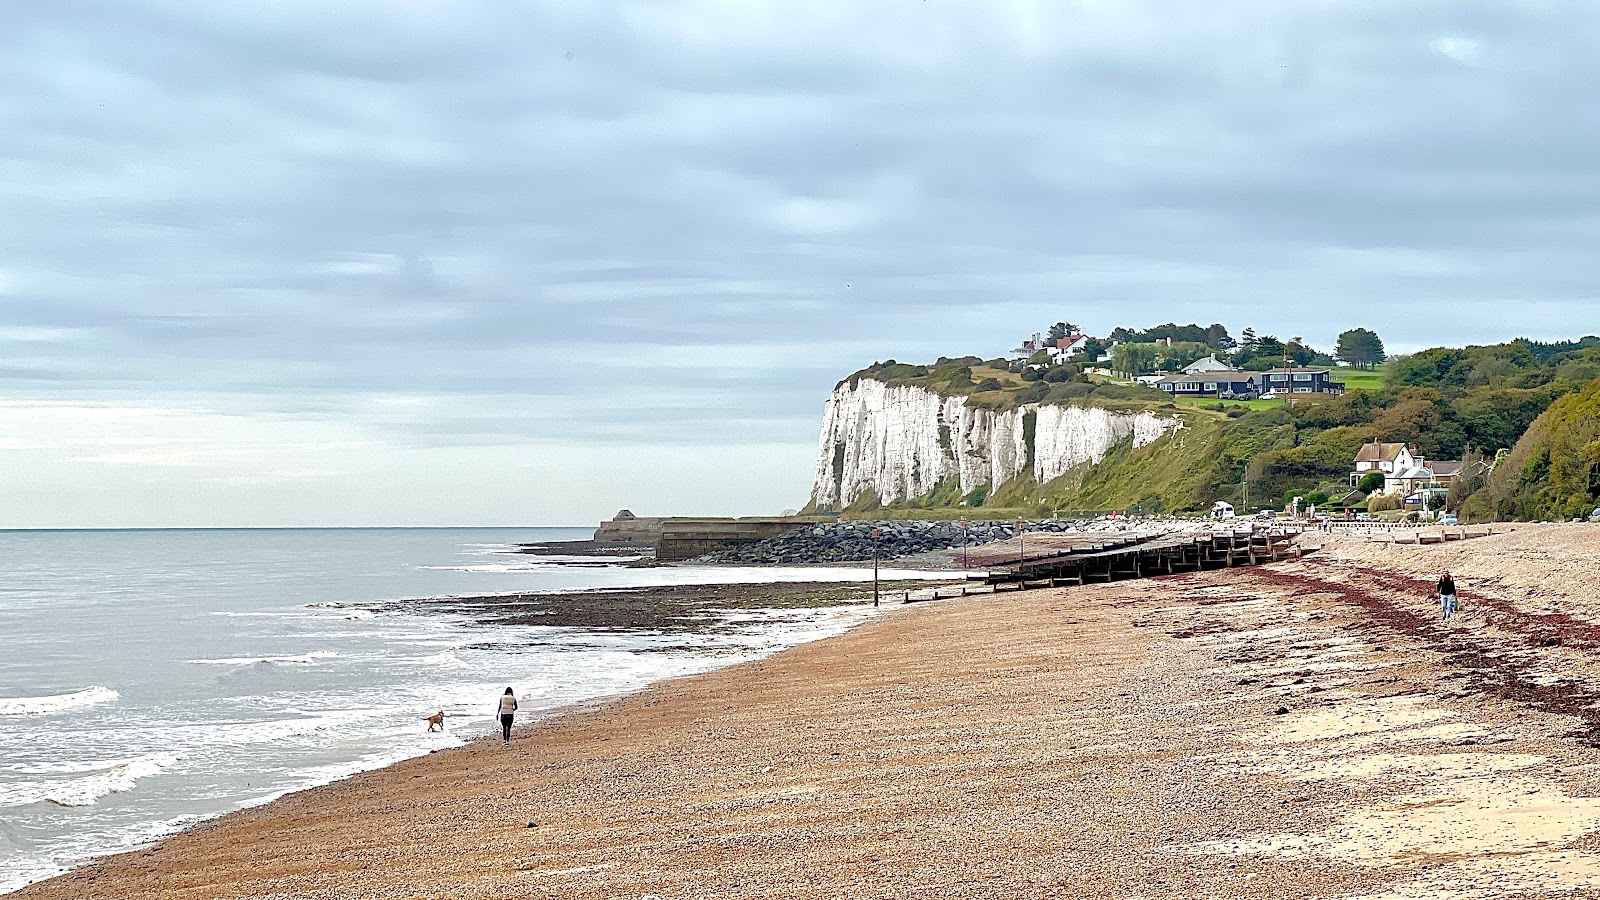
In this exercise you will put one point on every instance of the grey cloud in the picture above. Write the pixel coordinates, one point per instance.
(304, 204)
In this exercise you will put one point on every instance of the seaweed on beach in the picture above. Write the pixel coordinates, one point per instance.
(1493, 671)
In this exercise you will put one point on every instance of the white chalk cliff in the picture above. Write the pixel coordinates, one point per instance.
(903, 441)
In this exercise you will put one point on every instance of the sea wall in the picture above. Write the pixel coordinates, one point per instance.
(902, 442)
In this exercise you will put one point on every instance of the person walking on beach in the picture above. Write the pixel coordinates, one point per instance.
(1447, 596)
(508, 712)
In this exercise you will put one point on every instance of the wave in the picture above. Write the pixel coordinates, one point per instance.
(86, 791)
(334, 613)
(38, 706)
(537, 564)
(446, 658)
(60, 768)
(304, 659)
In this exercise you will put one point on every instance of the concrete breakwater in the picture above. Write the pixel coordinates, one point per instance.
(855, 542)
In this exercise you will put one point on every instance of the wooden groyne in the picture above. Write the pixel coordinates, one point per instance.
(1153, 556)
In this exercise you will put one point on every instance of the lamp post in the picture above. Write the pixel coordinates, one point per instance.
(963, 544)
(1020, 555)
(875, 535)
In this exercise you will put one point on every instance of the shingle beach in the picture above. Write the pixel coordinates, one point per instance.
(1302, 729)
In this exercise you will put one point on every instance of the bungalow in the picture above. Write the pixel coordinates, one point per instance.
(1208, 364)
(1225, 384)
(1282, 382)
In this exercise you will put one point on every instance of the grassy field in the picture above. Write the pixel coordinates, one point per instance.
(1211, 402)
(1359, 379)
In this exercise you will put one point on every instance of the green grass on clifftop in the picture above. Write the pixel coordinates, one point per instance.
(989, 386)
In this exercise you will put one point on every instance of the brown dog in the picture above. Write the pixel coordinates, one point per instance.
(435, 721)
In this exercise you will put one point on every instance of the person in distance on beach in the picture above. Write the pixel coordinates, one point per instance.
(508, 711)
(1447, 596)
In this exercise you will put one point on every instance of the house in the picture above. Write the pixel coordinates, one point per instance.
(1224, 384)
(1030, 347)
(1424, 480)
(1068, 347)
(1209, 364)
(1391, 460)
(1416, 484)
(1284, 382)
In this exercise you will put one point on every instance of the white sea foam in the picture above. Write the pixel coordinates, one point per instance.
(38, 706)
(85, 791)
(447, 658)
(304, 659)
(332, 613)
(271, 731)
(65, 767)
(119, 777)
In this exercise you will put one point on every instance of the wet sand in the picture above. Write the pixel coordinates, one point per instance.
(1304, 729)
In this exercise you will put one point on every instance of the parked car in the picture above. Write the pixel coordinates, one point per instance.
(1447, 519)
(1595, 516)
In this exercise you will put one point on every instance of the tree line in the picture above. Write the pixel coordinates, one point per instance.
(1172, 346)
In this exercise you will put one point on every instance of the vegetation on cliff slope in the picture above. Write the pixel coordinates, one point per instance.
(1448, 402)
(1554, 470)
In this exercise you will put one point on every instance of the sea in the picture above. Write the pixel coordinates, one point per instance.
(153, 679)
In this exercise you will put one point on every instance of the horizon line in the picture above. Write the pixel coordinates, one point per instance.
(278, 527)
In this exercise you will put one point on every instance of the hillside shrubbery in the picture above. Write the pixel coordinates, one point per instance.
(1446, 401)
(1554, 472)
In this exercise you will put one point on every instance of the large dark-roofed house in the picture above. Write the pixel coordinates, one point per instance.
(1226, 384)
(1296, 381)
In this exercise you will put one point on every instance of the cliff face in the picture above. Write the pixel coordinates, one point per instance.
(902, 442)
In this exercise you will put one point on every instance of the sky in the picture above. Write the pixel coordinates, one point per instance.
(418, 262)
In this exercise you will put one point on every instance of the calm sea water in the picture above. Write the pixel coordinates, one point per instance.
(153, 679)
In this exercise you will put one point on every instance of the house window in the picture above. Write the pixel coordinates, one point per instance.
(1280, 378)
(1299, 390)
(1211, 385)
(1302, 376)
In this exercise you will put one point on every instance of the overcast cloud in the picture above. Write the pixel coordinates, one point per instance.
(428, 262)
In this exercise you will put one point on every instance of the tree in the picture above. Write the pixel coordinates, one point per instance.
(1061, 329)
(1370, 482)
(1134, 359)
(1299, 354)
(1217, 338)
(1360, 347)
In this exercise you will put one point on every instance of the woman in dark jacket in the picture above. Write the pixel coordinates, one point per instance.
(1447, 596)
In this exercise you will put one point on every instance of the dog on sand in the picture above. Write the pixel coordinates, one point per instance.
(435, 721)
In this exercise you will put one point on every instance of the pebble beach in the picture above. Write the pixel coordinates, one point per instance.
(1301, 729)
